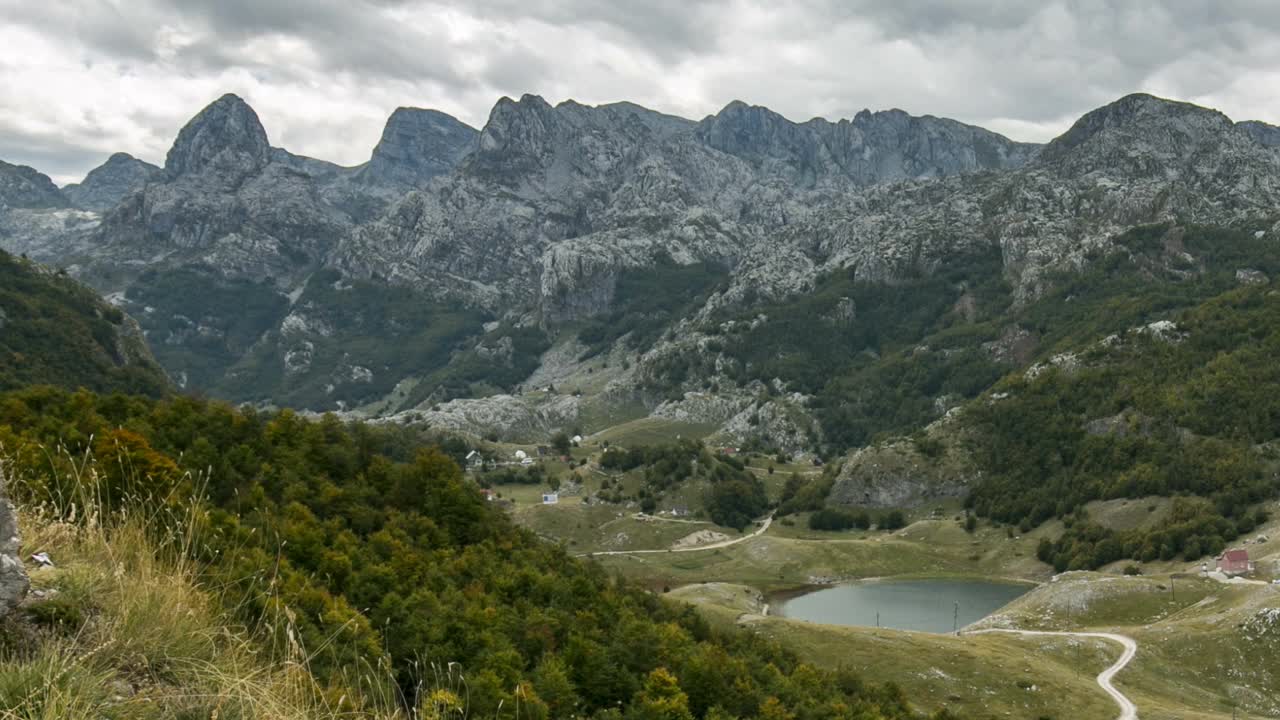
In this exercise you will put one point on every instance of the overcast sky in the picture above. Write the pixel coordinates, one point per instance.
(80, 79)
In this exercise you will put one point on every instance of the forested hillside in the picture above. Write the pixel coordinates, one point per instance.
(877, 359)
(1151, 372)
(383, 553)
(55, 331)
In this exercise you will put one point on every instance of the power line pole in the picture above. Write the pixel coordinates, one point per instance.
(955, 619)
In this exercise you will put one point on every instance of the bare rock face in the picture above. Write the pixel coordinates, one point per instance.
(26, 187)
(416, 146)
(899, 474)
(225, 142)
(871, 148)
(13, 576)
(109, 183)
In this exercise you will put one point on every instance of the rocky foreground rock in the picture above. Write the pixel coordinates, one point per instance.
(13, 576)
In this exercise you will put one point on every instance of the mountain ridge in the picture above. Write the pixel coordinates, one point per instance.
(550, 218)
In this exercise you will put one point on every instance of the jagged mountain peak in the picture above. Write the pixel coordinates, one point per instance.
(106, 185)
(225, 140)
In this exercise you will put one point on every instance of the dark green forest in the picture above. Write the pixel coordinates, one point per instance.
(1195, 416)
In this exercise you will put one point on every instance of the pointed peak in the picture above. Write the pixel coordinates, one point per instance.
(109, 183)
(225, 138)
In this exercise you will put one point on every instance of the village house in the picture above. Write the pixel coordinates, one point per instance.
(550, 498)
(474, 459)
(1235, 562)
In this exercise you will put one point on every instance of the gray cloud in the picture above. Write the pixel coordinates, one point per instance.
(85, 77)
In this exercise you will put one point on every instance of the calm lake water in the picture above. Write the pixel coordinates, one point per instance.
(926, 605)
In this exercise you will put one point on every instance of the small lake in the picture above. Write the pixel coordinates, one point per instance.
(925, 605)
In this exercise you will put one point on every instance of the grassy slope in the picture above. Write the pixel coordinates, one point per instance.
(121, 628)
(787, 557)
(1194, 655)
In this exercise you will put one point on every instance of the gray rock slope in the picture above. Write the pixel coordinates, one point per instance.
(535, 218)
(106, 185)
(23, 187)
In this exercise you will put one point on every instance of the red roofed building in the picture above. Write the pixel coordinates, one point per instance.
(1235, 562)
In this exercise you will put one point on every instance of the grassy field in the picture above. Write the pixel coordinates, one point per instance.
(650, 431)
(1204, 646)
(788, 557)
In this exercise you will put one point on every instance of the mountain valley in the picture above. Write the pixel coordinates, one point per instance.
(583, 352)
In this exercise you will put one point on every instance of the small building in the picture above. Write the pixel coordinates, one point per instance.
(576, 439)
(487, 494)
(526, 461)
(1235, 562)
(521, 455)
(550, 498)
(544, 450)
(680, 511)
(475, 459)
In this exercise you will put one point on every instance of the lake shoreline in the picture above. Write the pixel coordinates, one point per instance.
(922, 604)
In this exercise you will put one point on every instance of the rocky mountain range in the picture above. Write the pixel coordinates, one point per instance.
(458, 270)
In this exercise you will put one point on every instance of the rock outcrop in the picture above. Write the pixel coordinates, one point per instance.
(224, 144)
(13, 576)
(899, 474)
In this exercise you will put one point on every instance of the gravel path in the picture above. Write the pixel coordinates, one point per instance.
(1128, 711)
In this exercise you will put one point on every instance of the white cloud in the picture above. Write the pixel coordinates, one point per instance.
(83, 78)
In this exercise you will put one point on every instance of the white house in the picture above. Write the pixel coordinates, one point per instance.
(475, 459)
(550, 498)
(577, 439)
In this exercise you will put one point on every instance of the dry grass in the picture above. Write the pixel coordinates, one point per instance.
(122, 627)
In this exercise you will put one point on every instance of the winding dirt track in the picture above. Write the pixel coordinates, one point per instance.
(711, 546)
(1128, 711)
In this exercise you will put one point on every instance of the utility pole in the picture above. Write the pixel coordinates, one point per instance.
(1172, 594)
(955, 619)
